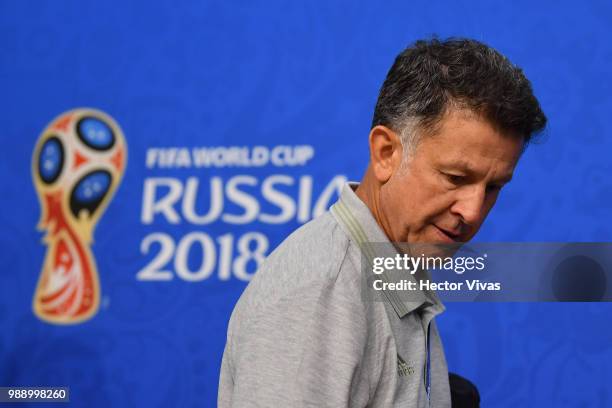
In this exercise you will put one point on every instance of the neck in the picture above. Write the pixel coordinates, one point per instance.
(369, 191)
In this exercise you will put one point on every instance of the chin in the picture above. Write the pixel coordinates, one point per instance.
(437, 244)
(425, 245)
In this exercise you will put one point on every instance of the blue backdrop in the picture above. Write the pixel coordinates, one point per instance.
(181, 78)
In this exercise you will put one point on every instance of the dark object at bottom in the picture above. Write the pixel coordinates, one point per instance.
(464, 394)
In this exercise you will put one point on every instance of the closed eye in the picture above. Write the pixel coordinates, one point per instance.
(455, 179)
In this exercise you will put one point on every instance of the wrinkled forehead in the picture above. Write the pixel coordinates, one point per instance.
(467, 140)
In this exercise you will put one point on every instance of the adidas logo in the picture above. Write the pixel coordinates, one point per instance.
(403, 369)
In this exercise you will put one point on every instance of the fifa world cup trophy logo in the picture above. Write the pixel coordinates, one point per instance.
(77, 165)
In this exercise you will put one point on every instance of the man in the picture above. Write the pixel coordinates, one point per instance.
(451, 121)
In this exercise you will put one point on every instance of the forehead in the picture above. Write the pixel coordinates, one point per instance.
(465, 139)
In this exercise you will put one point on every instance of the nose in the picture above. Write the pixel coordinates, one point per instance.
(469, 205)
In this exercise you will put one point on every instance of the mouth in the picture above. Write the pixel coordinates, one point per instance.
(447, 236)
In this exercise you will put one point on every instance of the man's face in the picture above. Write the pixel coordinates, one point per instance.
(450, 183)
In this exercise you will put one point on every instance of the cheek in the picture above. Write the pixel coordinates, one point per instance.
(432, 200)
(407, 204)
(397, 206)
(393, 204)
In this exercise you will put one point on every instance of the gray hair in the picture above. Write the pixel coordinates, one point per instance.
(431, 76)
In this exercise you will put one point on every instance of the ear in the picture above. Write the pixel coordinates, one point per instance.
(385, 152)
